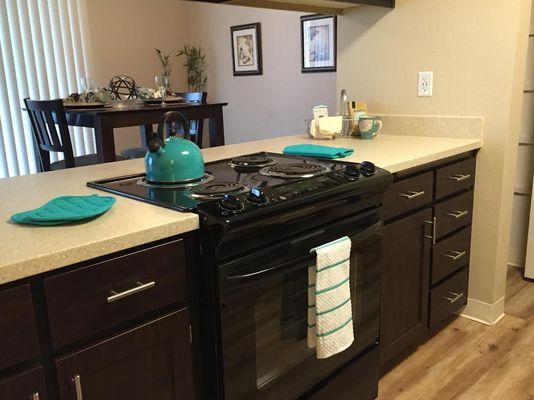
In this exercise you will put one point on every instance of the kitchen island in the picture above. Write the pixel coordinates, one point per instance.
(29, 250)
(77, 300)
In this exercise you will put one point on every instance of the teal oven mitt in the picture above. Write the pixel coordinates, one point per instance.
(315, 150)
(65, 209)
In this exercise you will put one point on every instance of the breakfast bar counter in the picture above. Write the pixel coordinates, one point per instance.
(30, 250)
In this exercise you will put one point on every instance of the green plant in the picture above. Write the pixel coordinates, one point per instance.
(195, 62)
(165, 62)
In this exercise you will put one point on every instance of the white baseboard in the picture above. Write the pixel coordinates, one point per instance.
(485, 313)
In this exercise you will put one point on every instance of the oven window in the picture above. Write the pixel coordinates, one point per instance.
(281, 327)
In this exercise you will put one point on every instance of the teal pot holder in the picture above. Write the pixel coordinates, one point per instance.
(65, 209)
(315, 150)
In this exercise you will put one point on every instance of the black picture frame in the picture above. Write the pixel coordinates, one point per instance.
(315, 17)
(246, 70)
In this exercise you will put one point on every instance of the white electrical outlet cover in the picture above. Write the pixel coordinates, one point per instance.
(425, 84)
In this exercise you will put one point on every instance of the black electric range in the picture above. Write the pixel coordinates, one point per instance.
(248, 183)
(260, 215)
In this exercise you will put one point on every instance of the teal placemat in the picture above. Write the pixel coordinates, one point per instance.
(315, 150)
(65, 209)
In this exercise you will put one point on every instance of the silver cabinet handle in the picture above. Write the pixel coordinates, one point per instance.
(35, 396)
(460, 177)
(458, 214)
(139, 288)
(457, 296)
(456, 255)
(78, 386)
(434, 224)
(412, 194)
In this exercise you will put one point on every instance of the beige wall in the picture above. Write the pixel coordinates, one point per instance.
(275, 103)
(525, 166)
(477, 50)
(123, 35)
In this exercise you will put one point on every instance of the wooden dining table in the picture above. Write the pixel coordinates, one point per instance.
(105, 120)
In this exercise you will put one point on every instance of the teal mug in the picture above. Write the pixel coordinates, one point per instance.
(369, 127)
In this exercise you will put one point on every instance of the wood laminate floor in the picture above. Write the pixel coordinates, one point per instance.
(471, 361)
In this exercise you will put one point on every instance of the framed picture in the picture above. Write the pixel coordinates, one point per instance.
(319, 42)
(246, 49)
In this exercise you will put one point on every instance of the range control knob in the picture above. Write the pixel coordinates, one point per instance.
(352, 171)
(257, 196)
(231, 202)
(367, 168)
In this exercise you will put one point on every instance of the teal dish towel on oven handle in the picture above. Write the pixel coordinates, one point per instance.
(316, 150)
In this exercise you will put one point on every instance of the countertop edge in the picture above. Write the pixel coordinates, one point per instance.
(74, 255)
(394, 168)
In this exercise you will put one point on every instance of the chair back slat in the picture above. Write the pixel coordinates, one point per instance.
(196, 126)
(45, 116)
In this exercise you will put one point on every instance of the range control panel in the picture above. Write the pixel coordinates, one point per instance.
(261, 197)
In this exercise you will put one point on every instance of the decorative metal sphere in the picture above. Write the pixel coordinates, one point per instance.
(123, 86)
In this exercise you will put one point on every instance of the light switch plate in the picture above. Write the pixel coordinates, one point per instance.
(425, 84)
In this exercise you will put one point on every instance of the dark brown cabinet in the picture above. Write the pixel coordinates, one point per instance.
(405, 270)
(116, 290)
(152, 361)
(426, 249)
(18, 337)
(29, 385)
(117, 327)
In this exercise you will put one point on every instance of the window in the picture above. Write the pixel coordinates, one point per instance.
(43, 51)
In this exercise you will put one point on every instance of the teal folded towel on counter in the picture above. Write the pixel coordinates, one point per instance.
(65, 209)
(316, 150)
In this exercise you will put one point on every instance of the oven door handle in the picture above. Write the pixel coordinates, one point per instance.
(301, 263)
(257, 275)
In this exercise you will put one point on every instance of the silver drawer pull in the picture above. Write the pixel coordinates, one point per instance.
(412, 194)
(458, 214)
(35, 396)
(434, 224)
(78, 386)
(456, 255)
(457, 296)
(460, 177)
(139, 288)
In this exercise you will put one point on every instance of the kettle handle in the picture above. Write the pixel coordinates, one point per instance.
(173, 116)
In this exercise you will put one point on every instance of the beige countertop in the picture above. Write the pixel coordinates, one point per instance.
(28, 250)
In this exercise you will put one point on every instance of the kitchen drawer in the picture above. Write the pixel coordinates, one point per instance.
(408, 194)
(102, 295)
(450, 254)
(18, 337)
(453, 214)
(29, 385)
(455, 177)
(448, 297)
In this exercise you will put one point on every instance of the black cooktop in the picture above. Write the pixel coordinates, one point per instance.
(246, 176)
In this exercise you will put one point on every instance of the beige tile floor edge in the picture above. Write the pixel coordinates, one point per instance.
(471, 361)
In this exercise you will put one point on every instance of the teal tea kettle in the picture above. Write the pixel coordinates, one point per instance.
(173, 159)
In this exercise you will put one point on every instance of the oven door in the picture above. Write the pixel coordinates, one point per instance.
(263, 313)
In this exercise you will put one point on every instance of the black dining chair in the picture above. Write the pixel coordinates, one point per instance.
(45, 116)
(196, 126)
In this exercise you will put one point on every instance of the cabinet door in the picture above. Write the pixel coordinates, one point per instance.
(29, 385)
(404, 287)
(152, 361)
(18, 337)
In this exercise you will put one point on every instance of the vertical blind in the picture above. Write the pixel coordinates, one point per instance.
(43, 52)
